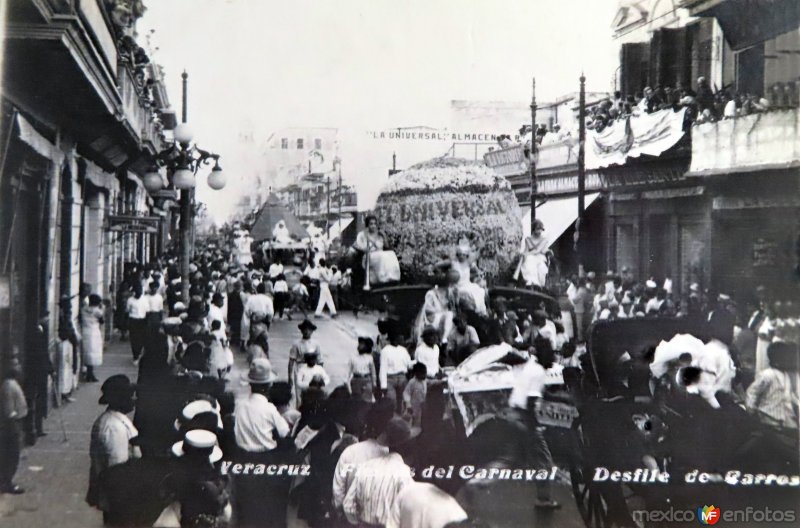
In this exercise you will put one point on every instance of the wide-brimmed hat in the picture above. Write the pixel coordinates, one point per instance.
(260, 372)
(430, 330)
(394, 328)
(307, 325)
(196, 356)
(194, 409)
(197, 309)
(200, 441)
(397, 432)
(118, 385)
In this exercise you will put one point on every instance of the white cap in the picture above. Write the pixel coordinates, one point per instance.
(651, 284)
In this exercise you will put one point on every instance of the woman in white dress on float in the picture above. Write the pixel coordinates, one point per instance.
(535, 257)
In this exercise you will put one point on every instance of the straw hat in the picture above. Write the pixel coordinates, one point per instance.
(192, 409)
(307, 325)
(260, 372)
(117, 386)
(198, 440)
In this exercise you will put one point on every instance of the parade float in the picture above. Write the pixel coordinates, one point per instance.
(481, 385)
(427, 210)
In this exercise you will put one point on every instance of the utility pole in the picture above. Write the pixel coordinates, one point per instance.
(534, 183)
(339, 197)
(186, 199)
(328, 214)
(581, 168)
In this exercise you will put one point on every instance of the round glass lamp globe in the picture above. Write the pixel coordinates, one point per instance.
(183, 133)
(183, 179)
(153, 182)
(217, 179)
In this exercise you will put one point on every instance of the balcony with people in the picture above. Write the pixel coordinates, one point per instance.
(102, 72)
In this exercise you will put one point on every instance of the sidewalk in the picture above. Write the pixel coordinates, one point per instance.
(55, 472)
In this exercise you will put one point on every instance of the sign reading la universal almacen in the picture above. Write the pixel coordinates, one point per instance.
(433, 135)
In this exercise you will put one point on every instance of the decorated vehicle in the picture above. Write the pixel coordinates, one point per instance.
(481, 385)
(427, 210)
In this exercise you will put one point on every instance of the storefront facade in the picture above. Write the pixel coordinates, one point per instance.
(76, 115)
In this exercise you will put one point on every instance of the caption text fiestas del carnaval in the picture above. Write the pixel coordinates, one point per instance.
(470, 472)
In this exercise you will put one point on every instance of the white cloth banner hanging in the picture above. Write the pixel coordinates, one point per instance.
(648, 134)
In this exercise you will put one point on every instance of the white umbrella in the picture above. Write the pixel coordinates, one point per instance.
(671, 350)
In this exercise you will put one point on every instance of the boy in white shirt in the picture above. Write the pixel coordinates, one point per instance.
(310, 373)
(427, 352)
(394, 366)
(299, 298)
(280, 291)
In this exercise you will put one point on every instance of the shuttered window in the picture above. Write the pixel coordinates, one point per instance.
(634, 64)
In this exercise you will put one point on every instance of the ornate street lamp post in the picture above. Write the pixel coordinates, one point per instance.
(534, 182)
(182, 161)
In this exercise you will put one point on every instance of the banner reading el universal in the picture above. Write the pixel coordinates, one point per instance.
(422, 226)
(441, 206)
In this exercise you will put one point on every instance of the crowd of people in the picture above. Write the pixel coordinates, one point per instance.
(169, 448)
(703, 105)
(196, 453)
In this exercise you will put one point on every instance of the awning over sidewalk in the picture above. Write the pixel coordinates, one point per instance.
(40, 144)
(338, 226)
(557, 214)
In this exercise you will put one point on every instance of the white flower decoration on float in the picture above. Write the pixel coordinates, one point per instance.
(445, 173)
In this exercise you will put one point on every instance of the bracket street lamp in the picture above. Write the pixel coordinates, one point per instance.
(183, 161)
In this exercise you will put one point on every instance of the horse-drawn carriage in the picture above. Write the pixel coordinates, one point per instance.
(660, 444)
(603, 417)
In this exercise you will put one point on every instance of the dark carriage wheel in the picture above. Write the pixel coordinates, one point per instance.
(592, 499)
(592, 502)
(589, 500)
